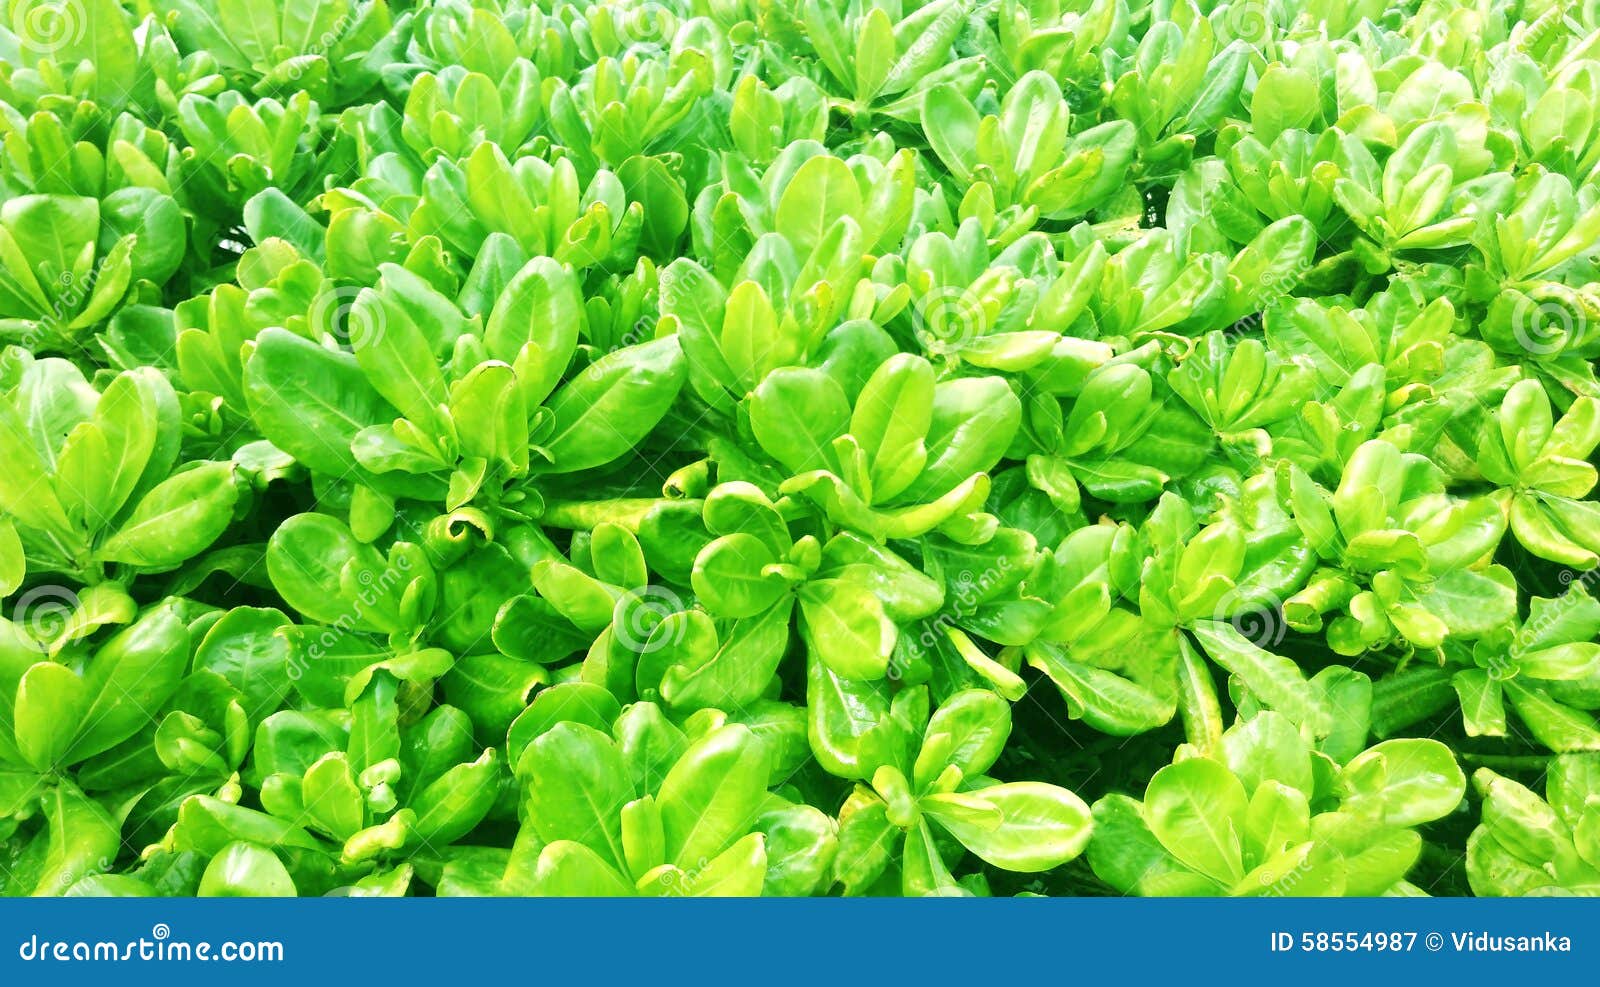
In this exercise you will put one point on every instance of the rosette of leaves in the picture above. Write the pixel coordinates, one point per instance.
(1061, 39)
(624, 802)
(1176, 87)
(1267, 815)
(61, 719)
(1418, 199)
(875, 64)
(95, 489)
(334, 50)
(1400, 559)
(432, 406)
(928, 801)
(449, 113)
(61, 162)
(73, 261)
(196, 741)
(361, 605)
(599, 601)
(1256, 276)
(992, 593)
(56, 61)
(895, 454)
(805, 195)
(1551, 224)
(851, 594)
(488, 38)
(778, 725)
(1239, 389)
(1547, 665)
(1541, 463)
(623, 107)
(1392, 368)
(768, 320)
(1527, 845)
(212, 335)
(1153, 285)
(1274, 177)
(403, 790)
(236, 148)
(1125, 670)
(1543, 310)
(998, 311)
(539, 208)
(765, 120)
(1117, 441)
(597, 30)
(325, 824)
(1026, 157)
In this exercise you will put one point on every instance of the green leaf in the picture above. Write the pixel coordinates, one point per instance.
(608, 408)
(1196, 808)
(1041, 826)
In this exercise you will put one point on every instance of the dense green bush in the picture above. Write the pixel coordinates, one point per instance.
(836, 446)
